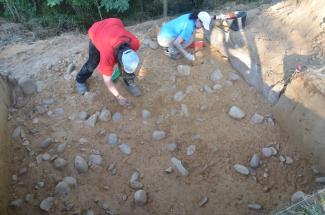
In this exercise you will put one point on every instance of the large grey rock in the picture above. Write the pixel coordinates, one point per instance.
(140, 197)
(47, 204)
(112, 138)
(125, 149)
(45, 143)
(179, 96)
(80, 164)
(71, 181)
(60, 163)
(241, 169)
(236, 113)
(105, 115)
(95, 159)
(158, 135)
(27, 86)
(267, 152)
(145, 114)
(216, 76)
(257, 118)
(184, 70)
(255, 161)
(177, 164)
(298, 196)
(91, 121)
(62, 189)
(16, 133)
(171, 147)
(16, 203)
(117, 117)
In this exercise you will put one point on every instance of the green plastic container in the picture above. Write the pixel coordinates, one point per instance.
(116, 74)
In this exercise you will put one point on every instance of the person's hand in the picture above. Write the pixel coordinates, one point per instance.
(123, 101)
(190, 57)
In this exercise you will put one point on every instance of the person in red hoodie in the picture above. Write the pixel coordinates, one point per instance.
(110, 44)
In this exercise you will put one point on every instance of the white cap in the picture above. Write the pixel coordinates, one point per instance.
(205, 18)
(130, 61)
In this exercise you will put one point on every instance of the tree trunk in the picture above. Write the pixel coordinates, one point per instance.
(165, 8)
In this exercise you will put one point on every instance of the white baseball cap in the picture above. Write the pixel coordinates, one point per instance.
(130, 61)
(205, 18)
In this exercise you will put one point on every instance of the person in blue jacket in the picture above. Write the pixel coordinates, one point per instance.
(176, 35)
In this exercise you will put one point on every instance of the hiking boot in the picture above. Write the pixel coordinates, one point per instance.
(81, 88)
(172, 53)
(130, 85)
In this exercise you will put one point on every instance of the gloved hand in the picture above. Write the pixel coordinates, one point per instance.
(190, 57)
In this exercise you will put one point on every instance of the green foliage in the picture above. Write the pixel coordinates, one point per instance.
(82, 13)
(53, 3)
(119, 5)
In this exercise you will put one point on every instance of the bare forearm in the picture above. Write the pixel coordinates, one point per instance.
(110, 85)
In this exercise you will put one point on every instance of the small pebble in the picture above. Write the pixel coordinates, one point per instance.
(125, 148)
(255, 161)
(80, 164)
(140, 197)
(203, 201)
(171, 147)
(190, 150)
(145, 114)
(112, 138)
(62, 189)
(289, 160)
(179, 166)
(117, 117)
(169, 170)
(241, 169)
(158, 135)
(46, 157)
(255, 206)
(267, 152)
(47, 204)
(60, 163)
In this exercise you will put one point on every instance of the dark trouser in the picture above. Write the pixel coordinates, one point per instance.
(91, 64)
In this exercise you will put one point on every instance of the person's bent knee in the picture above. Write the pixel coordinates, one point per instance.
(164, 41)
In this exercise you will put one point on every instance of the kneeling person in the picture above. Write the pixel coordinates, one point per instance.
(111, 43)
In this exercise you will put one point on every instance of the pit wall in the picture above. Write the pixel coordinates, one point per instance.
(300, 111)
(5, 150)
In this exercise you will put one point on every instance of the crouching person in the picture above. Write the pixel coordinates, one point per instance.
(110, 44)
(176, 35)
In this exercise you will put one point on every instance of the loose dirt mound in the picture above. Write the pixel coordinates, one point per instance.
(199, 119)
